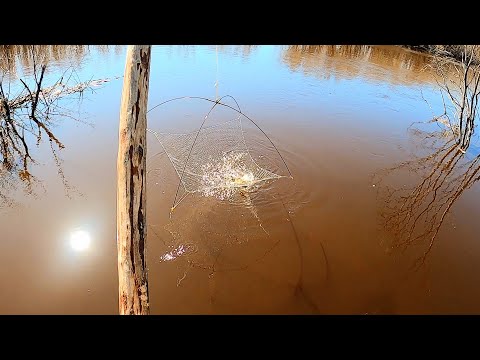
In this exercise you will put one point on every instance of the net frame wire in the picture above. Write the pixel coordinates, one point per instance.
(215, 103)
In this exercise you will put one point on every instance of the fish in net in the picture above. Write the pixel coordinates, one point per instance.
(215, 160)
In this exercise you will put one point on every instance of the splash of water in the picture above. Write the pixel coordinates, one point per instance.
(223, 179)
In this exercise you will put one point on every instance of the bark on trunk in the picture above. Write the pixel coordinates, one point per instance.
(131, 184)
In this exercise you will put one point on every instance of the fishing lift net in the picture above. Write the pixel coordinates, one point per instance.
(215, 160)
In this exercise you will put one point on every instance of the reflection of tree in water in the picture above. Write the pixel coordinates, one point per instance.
(27, 55)
(416, 214)
(24, 55)
(324, 60)
(460, 82)
(29, 110)
(242, 50)
(7, 185)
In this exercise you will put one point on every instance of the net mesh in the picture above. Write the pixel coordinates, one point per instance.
(214, 161)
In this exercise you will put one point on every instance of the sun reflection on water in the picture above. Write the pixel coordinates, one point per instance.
(80, 240)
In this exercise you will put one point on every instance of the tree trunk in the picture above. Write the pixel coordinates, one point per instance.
(131, 184)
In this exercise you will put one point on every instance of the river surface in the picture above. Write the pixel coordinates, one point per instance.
(322, 242)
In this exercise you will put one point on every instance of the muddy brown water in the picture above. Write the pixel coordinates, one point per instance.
(314, 244)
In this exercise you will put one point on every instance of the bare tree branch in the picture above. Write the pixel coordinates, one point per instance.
(31, 114)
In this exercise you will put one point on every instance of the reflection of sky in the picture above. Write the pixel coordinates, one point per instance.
(261, 79)
(264, 83)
